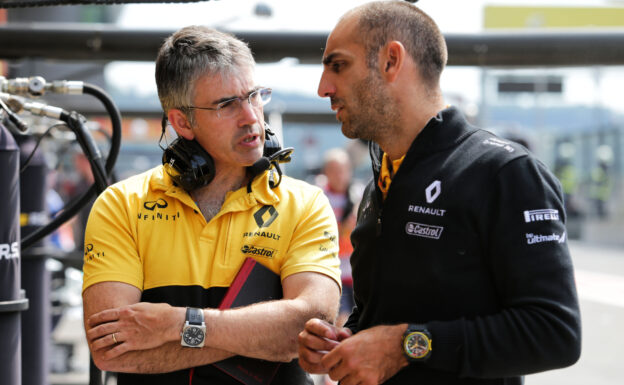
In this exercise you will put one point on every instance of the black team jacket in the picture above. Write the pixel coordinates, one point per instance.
(471, 242)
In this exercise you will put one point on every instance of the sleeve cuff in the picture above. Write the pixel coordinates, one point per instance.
(447, 345)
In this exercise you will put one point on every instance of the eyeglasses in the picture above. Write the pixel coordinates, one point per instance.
(232, 107)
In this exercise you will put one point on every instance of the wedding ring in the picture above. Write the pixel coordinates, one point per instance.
(114, 339)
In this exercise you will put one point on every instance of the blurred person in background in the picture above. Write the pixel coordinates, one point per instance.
(601, 183)
(61, 238)
(344, 194)
(568, 175)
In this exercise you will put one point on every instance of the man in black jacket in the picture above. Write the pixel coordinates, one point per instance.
(461, 269)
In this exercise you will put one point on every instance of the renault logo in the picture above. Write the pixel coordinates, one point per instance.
(433, 191)
(265, 211)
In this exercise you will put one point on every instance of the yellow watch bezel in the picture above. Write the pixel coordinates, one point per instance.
(409, 352)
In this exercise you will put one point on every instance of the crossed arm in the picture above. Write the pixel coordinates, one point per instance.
(148, 335)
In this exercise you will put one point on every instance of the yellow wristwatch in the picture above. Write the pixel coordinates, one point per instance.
(417, 343)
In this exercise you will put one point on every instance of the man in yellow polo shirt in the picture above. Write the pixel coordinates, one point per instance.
(162, 247)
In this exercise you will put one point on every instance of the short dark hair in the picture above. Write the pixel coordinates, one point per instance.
(190, 53)
(383, 21)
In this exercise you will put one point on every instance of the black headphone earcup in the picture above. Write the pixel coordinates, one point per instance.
(271, 143)
(191, 167)
(188, 164)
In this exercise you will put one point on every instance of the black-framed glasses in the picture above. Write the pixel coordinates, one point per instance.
(232, 107)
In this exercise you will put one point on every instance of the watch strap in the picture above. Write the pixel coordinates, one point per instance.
(416, 328)
(194, 316)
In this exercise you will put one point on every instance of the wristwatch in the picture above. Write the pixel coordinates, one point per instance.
(194, 331)
(416, 343)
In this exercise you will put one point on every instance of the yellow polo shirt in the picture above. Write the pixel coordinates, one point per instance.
(148, 232)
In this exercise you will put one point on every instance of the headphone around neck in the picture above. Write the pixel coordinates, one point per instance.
(191, 167)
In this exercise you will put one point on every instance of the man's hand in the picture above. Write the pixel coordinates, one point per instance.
(369, 357)
(317, 338)
(139, 326)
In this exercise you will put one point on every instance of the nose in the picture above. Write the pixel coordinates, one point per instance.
(325, 87)
(248, 113)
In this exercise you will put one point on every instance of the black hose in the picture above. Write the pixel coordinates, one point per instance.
(74, 207)
(115, 117)
(76, 123)
(112, 176)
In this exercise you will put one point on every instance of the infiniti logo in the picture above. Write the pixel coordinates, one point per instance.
(151, 205)
(91, 254)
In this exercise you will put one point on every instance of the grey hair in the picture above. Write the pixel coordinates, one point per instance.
(191, 53)
(383, 21)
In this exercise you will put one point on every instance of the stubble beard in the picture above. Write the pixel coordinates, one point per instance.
(373, 113)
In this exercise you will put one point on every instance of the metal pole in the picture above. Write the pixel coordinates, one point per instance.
(12, 298)
(36, 279)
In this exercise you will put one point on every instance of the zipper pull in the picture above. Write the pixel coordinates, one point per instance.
(378, 225)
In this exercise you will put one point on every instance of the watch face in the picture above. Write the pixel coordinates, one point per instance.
(193, 335)
(417, 345)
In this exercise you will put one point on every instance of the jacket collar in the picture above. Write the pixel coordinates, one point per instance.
(443, 131)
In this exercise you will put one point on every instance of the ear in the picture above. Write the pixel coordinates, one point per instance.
(180, 123)
(392, 58)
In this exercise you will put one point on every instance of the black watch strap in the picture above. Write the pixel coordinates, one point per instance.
(194, 316)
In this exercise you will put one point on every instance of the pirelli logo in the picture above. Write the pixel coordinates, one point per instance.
(422, 230)
(541, 215)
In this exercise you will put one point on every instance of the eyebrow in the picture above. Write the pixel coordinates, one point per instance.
(228, 98)
(329, 58)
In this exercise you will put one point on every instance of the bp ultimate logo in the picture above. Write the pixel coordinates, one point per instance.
(423, 230)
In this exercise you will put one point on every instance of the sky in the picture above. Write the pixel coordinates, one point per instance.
(593, 86)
